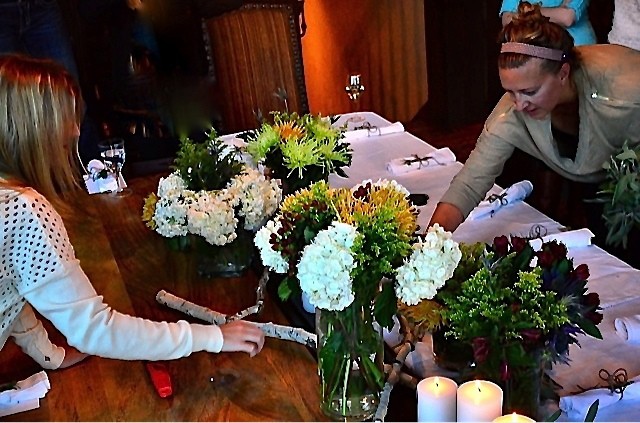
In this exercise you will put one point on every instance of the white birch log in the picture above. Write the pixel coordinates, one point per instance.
(272, 330)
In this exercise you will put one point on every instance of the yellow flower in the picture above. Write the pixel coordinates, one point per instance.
(149, 209)
(289, 130)
(423, 317)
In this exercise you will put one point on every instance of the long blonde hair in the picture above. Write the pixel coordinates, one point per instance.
(40, 113)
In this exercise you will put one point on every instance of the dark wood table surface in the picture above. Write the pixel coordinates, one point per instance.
(128, 264)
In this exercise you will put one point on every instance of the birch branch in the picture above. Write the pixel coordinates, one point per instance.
(272, 330)
(257, 308)
(395, 373)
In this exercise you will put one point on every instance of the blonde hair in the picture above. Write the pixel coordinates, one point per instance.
(40, 112)
(530, 26)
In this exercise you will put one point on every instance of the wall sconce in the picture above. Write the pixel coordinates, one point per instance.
(354, 87)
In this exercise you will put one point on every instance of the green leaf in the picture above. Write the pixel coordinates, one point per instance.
(554, 417)
(589, 328)
(284, 291)
(593, 410)
(385, 306)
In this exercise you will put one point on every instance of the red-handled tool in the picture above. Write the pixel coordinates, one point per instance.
(160, 377)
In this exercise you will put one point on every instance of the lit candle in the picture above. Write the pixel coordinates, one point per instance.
(437, 400)
(479, 401)
(513, 418)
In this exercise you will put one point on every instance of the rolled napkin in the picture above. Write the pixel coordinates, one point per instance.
(515, 193)
(25, 395)
(580, 403)
(571, 239)
(436, 158)
(100, 179)
(373, 131)
(628, 328)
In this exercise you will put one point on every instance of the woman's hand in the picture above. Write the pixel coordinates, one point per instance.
(242, 336)
(72, 356)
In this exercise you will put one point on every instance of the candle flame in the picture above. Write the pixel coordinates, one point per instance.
(478, 386)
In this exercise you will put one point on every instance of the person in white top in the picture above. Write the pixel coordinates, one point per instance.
(40, 112)
(626, 24)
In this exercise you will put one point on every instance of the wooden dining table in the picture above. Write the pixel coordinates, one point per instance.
(128, 264)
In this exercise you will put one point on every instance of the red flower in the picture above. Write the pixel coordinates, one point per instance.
(531, 337)
(501, 245)
(594, 316)
(518, 243)
(592, 299)
(545, 259)
(515, 307)
(480, 349)
(558, 250)
(582, 273)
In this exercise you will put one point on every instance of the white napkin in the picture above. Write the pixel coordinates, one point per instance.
(571, 239)
(515, 193)
(96, 184)
(26, 395)
(580, 403)
(628, 328)
(373, 131)
(436, 158)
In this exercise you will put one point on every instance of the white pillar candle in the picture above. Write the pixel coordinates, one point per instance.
(513, 418)
(479, 401)
(437, 399)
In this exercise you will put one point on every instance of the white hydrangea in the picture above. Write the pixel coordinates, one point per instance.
(270, 257)
(325, 267)
(258, 197)
(213, 218)
(430, 265)
(211, 214)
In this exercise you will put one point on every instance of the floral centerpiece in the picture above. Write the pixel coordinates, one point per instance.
(519, 309)
(299, 150)
(353, 252)
(213, 196)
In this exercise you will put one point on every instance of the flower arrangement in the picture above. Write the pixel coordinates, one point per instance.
(354, 253)
(620, 193)
(210, 194)
(299, 150)
(517, 308)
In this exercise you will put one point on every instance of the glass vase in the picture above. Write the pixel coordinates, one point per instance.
(229, 260)
(450, 353)
(350, 362)
(519, 374)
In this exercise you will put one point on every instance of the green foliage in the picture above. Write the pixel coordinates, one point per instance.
(620, 193)
(209, 165)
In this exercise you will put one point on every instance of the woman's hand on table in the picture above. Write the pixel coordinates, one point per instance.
(242, 336)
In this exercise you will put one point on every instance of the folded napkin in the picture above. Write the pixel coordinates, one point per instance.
(580, 403)
(628, 328)
(25, 395)
(571, 239)
(436, 158)
(100, 179)
(515, 193)
(373, 131)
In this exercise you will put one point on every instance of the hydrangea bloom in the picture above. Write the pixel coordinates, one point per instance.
(430, 265)
(270, 257)
(325, 267)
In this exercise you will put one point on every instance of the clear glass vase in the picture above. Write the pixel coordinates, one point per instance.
(519, 374)
(350, 362)
(230, 260)
(450, 353)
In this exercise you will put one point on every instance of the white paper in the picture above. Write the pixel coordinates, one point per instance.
(402, 165)
(26, 395)
(515, 193)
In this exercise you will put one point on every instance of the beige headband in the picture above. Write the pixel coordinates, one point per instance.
(533, 51)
